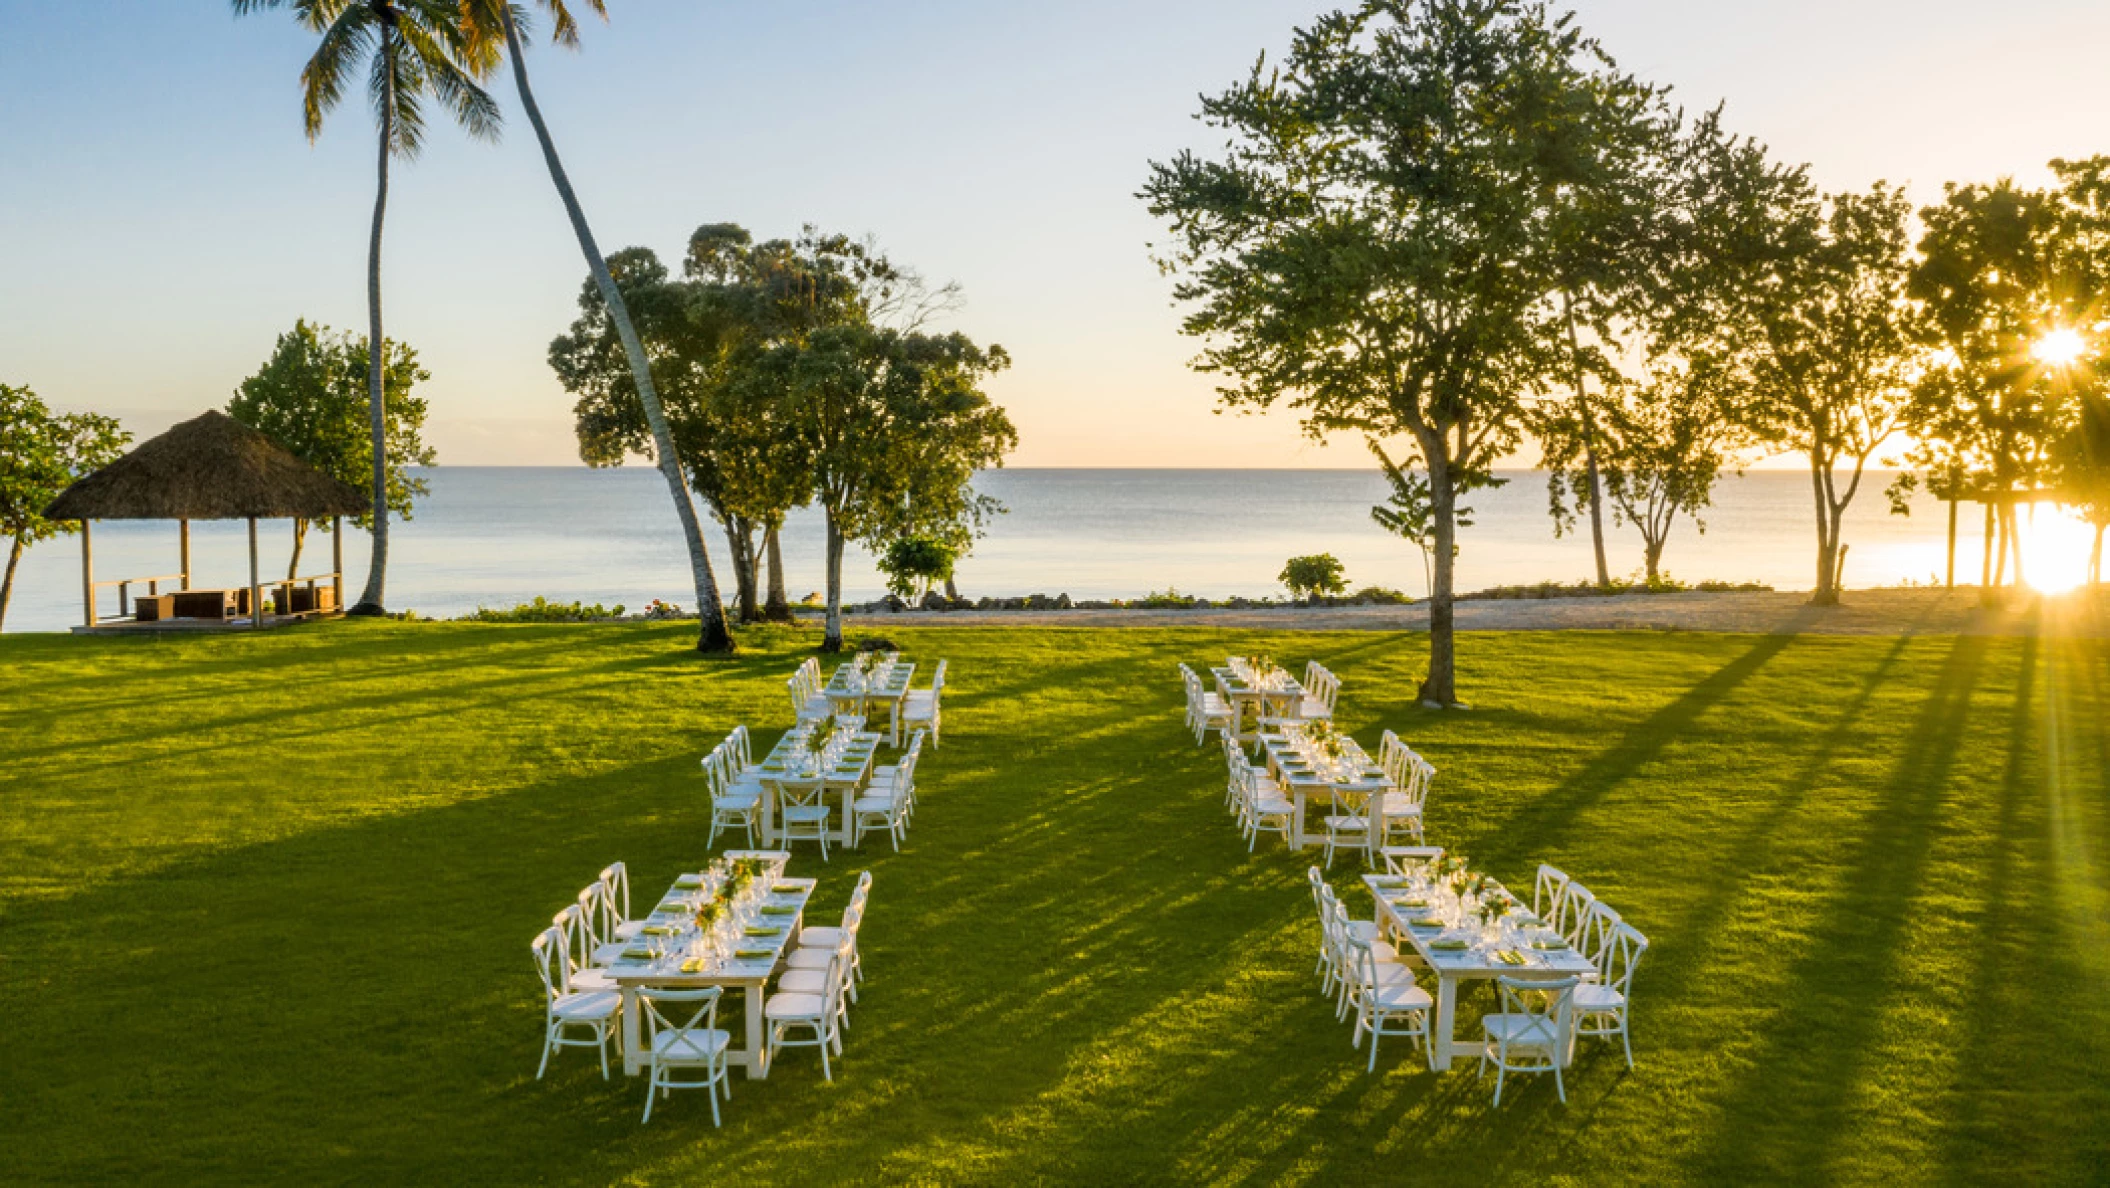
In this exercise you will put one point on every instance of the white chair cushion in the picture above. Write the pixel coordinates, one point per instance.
(820, 938)
(681, 1047)
(1592, 997)
(1270, 806)
(1313, 708)
(806, 814)
(808, 958)
(794, 1006)
(738, 802)
(804, 981)
(586, 1006)
(872, 804)
(1400, 996)
(592, 979)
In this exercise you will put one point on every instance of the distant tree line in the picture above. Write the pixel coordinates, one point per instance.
(1458, 224)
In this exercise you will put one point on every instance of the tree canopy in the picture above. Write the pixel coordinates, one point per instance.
(41, 454)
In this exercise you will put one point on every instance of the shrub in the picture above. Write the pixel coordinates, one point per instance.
(913, 563)
(1309, 577)
(1380, 596)
(541, 610)
(1169, 599)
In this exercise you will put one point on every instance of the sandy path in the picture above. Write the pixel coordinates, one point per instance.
(1865, 612)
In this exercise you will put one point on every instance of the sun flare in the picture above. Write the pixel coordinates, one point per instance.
(2060, 348)
(2055, 545)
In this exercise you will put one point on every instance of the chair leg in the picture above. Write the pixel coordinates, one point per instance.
(1626, 1041)
(651, 1091)
(1558, 1086)
(601, 1046)
(546, 1046)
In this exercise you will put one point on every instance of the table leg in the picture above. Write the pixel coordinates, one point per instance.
(1296, 821)
(769, 815)
(1446, 1021)
(757, 1051)
(632, 1046)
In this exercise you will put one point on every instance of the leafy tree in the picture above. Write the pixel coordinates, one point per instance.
(1665, 442)
(311, 396)
(1375, 247)
(1821, 339)
(1996, 277)
(1310, 576)
(2084, 462)
(913, 563)
(41, 454)
(489, 24)
(893, 418)
(412, 52)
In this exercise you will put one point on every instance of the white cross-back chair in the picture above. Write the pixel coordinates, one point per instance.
(808, 702)
(1321, 896)
(1403, 804)
(1546, 892)
(910, 757)
(1601, 1006)
(810, 976)
(814, 1016)
(1348, 825)
(1531, 1033)
(886, 808)
(803, 813)
(1322, 691)
(1401, 860)
(1339, 929)
(1571, 915)
(695, 1044)
(615, 901)
(567, 1009)
(816, 943)
(733, 805)
(1262, 807)
(1206, 710)
(584, 950)
(1598, 927)
(1391, 757)
(921, 707)
(1383, 993)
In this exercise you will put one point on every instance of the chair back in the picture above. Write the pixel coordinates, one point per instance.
(716, 769)
(1546, 892)
(1392, 758)
(551, 962)
(1416, 786)
(615, 878)
(801, 691)
(692, 1029)
(597, 927)
(1572, 914)
(1326, 689)
(741, 751)
(1620, 955)
(937, 680)
(1598, 927)
(1550, 1005)
(577, 941)
(802, 793)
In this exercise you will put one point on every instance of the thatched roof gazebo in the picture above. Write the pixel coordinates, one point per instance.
(212, 467)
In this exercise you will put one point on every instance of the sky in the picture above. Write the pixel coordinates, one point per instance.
(163, 218)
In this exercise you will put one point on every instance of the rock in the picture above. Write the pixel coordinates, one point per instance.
(934, 601)
(893, 605)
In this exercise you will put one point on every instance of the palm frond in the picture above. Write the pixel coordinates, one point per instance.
(441, 74)
(348, 38)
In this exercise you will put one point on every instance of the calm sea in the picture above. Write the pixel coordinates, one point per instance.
(495, 536)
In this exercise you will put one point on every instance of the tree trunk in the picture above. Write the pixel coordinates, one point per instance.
(712, 633)
(1950, 583)
(370, 601)
(300, 535)
(778, 608)
(1441, 687)
(2014, 539)
(2095, 565)
(833, 640)
(740, 539)
(14, 558)
(1589, 423)
(1827, 539)
(2000, 548)
(952, 592)
(1652, 557)
(1985, 576)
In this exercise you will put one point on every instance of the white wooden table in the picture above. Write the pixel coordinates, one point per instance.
(1361, 791)
(890, 690)
(1241, 695)
(844, 779)
(1476, 963)
(750, 978)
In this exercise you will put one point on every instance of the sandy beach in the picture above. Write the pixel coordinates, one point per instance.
(1862, 612)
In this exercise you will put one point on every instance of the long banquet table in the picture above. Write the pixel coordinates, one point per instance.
(854, 693)
(1284, 693)
(843, 778)
(1358, 784)
(1399, 915)
(786, 903)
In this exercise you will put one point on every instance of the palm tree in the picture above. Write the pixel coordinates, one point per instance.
(411, 51)
(488, 22)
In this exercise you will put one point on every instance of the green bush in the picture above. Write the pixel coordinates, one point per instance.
(1381, 596)
(1169, 599)
(1309, 577)
(913, 564)
(541, 610)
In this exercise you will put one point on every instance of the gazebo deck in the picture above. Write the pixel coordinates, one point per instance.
(163, 626)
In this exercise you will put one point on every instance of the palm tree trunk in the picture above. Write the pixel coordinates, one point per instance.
(777, 609)
(370, 601)
(832, 641)
(14, 558)
(713, 634)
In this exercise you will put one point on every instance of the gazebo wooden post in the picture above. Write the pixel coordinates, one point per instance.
(183, 539)
(256, 586)
(337, 560)
(87, 575)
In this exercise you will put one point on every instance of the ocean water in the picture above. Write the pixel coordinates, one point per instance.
(495, 536)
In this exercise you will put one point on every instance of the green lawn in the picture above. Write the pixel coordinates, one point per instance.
(265, 905)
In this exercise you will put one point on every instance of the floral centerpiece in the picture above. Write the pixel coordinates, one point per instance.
(1324, 739)
(708, 913)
